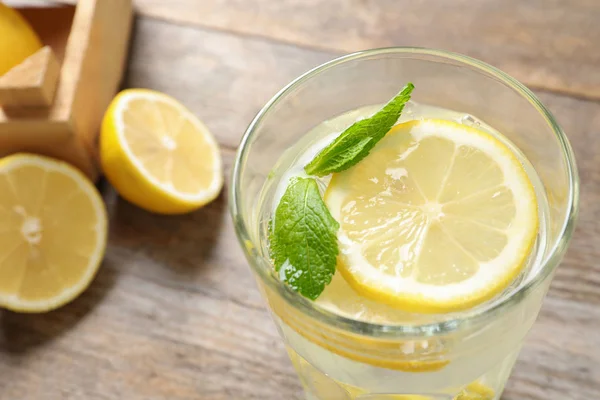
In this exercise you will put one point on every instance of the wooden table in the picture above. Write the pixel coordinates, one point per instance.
(174, 312)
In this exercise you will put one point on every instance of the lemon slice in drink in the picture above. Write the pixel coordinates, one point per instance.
(439, 217)
(53, 233)
(157, 154)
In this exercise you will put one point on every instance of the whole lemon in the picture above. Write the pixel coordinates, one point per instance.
(18, 40)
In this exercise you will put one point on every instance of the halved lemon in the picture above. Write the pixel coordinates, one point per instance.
(439, 217)
(53, 233)
(157, 154)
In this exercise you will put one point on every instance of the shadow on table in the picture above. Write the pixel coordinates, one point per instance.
(22, 332)
(183, 244)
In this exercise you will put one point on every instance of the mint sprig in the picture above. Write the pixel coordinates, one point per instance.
(356, 142)
(302, 233)
(303, 239)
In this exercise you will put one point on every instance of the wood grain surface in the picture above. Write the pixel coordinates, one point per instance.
(549, 44)
(174, 312)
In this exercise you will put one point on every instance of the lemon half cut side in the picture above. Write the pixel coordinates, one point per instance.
(157, 154)
(53, 233)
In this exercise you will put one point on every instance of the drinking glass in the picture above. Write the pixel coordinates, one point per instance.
(460, 356)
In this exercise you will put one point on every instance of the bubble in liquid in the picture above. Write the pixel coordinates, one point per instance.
(407, 112)
(469, 120)
(409, 108)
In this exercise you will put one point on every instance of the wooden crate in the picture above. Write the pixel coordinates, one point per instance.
(53, 102)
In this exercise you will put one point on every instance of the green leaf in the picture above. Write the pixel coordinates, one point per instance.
(356, 142)
(303, 239)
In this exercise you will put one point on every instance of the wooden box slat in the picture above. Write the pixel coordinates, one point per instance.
(90, 44)
(31, 83)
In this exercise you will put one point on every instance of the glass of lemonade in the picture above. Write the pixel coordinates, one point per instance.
(450, 230)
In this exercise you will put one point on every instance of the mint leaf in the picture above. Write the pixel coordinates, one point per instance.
(303, 239)
(356, 142)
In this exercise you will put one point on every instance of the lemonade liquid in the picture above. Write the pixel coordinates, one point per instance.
(469, 364)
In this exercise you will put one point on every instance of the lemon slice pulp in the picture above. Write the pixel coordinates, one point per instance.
(439, 217)
(53, 233)
(157, 154)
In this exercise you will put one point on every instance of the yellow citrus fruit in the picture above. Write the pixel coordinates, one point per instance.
(157, 154)
(17, 39)
(53, 233)
(439, 217)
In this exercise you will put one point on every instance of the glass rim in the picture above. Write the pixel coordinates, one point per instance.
(463, 319)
